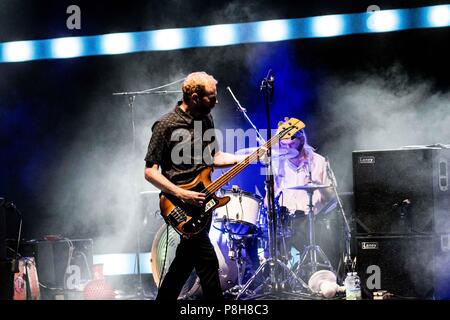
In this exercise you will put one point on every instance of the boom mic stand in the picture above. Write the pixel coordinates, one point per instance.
(275, 284)
(140, 292)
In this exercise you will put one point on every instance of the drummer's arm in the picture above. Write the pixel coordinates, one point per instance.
(224, 159)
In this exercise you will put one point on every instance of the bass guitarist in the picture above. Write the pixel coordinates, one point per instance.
(182, 145)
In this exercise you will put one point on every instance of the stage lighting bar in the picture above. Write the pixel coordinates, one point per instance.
(227, 34)
(67, 47)
(17, 51)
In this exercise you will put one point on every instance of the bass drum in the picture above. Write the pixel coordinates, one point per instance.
(163, 255)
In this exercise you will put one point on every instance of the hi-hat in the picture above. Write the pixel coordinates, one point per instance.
(309, 186)
(277, 153)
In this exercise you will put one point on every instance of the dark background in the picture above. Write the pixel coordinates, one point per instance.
(66, 143)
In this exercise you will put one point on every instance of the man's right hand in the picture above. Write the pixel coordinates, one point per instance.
(191, 197)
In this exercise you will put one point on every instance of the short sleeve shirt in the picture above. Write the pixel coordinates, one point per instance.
(181, 145)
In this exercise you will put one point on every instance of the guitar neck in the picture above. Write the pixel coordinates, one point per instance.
(230, 174)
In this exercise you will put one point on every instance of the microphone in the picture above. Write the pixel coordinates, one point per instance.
(268, 84)
(272, 85)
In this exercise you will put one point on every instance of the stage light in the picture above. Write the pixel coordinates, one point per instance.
(227, 34)
(383, 21)
(328, 26)
(66, 47)
(439, 16)
(167, 39)
(273, 30)
(219, 35)
(116, 43)
(17, 51)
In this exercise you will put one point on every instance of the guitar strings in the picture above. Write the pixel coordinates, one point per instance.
(213, 187)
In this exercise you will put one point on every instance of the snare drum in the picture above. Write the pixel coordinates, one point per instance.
(240, 216)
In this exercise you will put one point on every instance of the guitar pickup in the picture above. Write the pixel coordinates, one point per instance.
(176, 216)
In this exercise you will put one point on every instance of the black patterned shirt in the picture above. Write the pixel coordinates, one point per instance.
(180, 146)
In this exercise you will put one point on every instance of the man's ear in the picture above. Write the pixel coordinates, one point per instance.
(195, 97)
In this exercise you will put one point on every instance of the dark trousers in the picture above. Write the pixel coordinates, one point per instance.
(197, 253)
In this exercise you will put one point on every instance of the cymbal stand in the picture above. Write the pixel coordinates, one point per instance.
(313, 251)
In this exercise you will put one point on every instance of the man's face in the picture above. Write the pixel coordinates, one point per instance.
(208, 99)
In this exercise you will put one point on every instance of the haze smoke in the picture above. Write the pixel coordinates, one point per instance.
(384, 110)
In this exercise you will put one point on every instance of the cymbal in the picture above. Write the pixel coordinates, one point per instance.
(309, 186)
(277, 153)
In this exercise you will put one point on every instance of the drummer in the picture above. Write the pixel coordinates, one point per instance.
(306, 167)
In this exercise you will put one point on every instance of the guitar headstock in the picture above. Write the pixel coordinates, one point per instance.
(289, 127)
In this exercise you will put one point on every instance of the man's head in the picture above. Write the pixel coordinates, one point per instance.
(200, 92)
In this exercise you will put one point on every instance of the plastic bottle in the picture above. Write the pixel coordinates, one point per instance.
(352, 286)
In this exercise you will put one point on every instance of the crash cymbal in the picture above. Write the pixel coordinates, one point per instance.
(277, 153)
(309, 186)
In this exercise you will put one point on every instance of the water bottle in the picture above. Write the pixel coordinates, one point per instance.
(352, 286)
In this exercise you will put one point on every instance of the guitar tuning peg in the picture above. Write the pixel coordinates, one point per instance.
(280, 123)
(286, 118)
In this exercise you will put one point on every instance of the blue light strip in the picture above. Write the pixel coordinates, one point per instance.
(227, 34)
(123, 263)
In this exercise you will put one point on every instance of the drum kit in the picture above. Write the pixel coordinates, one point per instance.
(239, 234)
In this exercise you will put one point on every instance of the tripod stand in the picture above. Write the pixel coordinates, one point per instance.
(276, 281)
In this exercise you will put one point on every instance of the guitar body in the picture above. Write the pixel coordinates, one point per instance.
(189, 219)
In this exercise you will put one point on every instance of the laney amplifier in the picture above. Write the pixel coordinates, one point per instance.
(402, 191)
(405, 266)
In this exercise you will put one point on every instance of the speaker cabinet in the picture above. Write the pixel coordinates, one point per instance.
(408, 267)
(403, 191)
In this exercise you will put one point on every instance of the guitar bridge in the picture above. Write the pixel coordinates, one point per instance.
(177, 216)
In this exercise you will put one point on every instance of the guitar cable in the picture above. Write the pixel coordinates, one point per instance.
(165, 256)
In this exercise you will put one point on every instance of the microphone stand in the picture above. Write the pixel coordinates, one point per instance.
(259, 137)
(275, 285)
(131, 95)
(347, 232)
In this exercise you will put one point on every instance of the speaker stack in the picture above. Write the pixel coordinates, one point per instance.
(402, 221)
